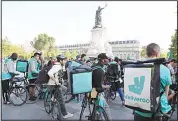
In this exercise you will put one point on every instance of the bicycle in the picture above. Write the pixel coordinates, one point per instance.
(17, 90)
(53, 103)
(98, 111)
(40, 92)
(111, 93)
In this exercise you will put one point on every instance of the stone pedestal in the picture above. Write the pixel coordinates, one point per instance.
(99, 43)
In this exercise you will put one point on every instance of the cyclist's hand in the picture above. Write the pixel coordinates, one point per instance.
(57, 83)
(106, 86)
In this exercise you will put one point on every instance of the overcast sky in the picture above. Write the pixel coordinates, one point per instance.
(71, 22)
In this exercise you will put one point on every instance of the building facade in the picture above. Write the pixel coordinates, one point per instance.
(129, 49)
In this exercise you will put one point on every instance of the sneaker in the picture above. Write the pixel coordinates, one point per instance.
(69, 115)
(32, 99)
(8, 102)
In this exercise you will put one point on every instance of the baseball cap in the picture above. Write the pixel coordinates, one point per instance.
(102, 56)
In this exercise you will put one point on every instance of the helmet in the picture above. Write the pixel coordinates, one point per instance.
(37, 53)
(61, 57)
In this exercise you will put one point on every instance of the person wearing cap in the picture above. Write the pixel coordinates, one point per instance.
(8, 71)
(33, 70)
(98, 78)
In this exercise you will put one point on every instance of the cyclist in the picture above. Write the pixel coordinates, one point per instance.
(8, 71)
(54, 73)
(33, 70)
(153, 51)
(98, 78)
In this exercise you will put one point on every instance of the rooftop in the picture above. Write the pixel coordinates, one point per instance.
(110, 42)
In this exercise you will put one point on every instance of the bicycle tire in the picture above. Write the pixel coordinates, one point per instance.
(112, 92)
(100, 110)
(47, 103)
(55, 105)
(107, 95)
(84, 104)
(70, 97)
(18, 87)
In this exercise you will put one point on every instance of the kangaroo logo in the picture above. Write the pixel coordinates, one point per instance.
(137, 88)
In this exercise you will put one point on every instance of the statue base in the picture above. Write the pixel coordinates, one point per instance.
(99, 43)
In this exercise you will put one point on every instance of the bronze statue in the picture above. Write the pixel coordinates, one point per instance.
(98, 18)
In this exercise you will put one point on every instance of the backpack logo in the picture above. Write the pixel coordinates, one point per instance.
(138, 85)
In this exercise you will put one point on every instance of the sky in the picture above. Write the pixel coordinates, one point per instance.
(71, 22)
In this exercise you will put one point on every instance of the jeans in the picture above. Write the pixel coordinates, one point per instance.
(58, 95)
(121, 94)
(5, 89)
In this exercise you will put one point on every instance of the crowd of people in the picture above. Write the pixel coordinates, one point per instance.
(168, 77)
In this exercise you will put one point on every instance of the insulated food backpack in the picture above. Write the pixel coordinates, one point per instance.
(142, 85)
(22, 66)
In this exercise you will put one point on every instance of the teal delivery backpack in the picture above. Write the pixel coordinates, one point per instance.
(81, 79)
(22, 66)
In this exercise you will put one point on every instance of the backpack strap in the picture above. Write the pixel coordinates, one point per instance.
(97, 67)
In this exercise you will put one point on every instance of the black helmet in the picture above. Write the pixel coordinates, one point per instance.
(61, 57)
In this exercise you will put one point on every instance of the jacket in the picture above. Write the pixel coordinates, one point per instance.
(33, 68)
(8, 68)
(55, 72)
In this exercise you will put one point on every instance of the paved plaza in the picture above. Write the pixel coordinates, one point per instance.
(36, 111)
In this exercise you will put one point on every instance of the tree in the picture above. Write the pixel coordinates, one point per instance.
(6, 47)
(68, 54)
(57, 51)
(143, 51)
(173, 46)
(163, 55)
(43, 42)
(74, 54)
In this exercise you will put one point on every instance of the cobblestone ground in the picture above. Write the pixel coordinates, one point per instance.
(37, 112)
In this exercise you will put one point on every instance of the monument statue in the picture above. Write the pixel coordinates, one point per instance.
(99, 43)
(98, 18)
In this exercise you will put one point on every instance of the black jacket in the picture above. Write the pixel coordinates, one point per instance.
(98, 77)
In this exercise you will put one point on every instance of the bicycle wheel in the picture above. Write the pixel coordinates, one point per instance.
(112, 92)
(99, 114)
(107, 95)
(67, 96)
(20, 93)
(55, 111)
(84, 105)
(47, 102)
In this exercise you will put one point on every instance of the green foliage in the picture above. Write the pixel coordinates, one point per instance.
(8, 48)
(46, 44)
(163, 55)
(174, 44)
(74, 54)
(43, 42)
(143, 52)
(68, 54)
